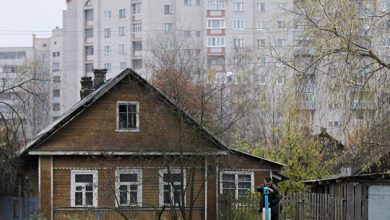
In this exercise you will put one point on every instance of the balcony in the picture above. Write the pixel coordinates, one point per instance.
(216, 50)
(363, 104)
(216, 32)
(306, 105)
(215, 13)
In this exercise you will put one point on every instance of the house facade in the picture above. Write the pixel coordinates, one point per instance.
(126, 151)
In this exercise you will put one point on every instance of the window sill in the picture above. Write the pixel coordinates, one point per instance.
(124, 130)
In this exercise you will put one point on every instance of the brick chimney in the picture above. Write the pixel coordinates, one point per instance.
(86, 86)
(100, 77)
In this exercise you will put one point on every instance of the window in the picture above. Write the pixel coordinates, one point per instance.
(168, 9)
(56, 107)
(216, 42)
(197, 2)
(56, 93)
(12, 55)
(281, 42)
(238, 43)
(88, 14)
(56, 79)
(187, 33)
(261, 43)
(216, 5)
(172, 182)
(121, 31)
(107, 66)
(386, 42)
(281, 24)
(262, 80)
(127, 116)
(187, 2)
(56, 66)
(168, 45)
(280, 80)
(88, 32)
(260, 7)
(122, 13)
(128, 186)
(136, 8)
(88, 67)
(122, 65)
(107, 32)
(216, 23)
(137, 45)
(197, 33)
(88, 50)
(260, 25)
(333, 124)
(122, 48)
(281, 5)
(238, 6)
(137, 27)
(56, 54)
(238, 24)
(107, 50)
(137, 64)
(237, 184)
(84, 189)
(261, 61)
(107, 14)
(168, 27)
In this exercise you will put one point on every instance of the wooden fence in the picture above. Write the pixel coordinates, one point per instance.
(294, 206)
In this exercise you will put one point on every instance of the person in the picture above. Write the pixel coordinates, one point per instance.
(273, 198)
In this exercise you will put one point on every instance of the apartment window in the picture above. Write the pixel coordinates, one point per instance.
(238, 43)
(197, 33)
(262, 80)
(261, 61)
(168, 45)
(88, 67)
(128, 187)
(136, 8)
(107, 14)
(261, 42)
(56, 54)
(281, 24)
(122, 13)
(187, 2)
(107, 66)
(238, 6)
(127, 116)
(280, 80)
(107, 50)
(122, 65)
(260, 7)
(56, 107)
(88, 50)
(281, 42)
(56, 79)
(137, 27)
(84, 189)
(56, 67)
(238, 24)
(197, 2)
(260, 25)
(122, 48)
(137, 45)
(88, 32)
(56, 93)
(281, 5)
(216, 23)
(88, 14)
(237, 184)
(216, 5)
(172, 183)
(137, 64)
(333, 124)
(107, 32)
(216, 42)
(12, 55)
(168, 9)
(121, 31)
(386, 42)
(187, 33)
(168, 27)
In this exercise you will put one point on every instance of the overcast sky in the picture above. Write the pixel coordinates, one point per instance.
(19, 19)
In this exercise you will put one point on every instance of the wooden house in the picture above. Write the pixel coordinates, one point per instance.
(126, 151)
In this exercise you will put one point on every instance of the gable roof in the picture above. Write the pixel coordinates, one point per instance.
(85, 103)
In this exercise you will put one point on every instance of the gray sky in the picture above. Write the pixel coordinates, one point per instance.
(19, 19)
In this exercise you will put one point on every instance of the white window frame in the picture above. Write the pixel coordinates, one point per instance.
(73, 186)
(161, 184)
(187, 3)
(122, 48)
(236, 173)
(238, 24)
(118, 184)
(260, 25)
(122, 13)
(107, 14)
(107, 33)
(168, 27)
(107, 50)
(281, 42)
(121, 31)
(108, 67)
(168, 9)
(215, 41)
(280, 80)
(386, 42)
(261, 7)
(136, 8)
(213, 21)
(137, 27)
(260, 41)
(216, 5)
(137, 129)
(281, 23)
(238, 43)
(238, 6)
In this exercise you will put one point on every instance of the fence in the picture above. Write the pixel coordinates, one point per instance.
(297, 206)
(16, 208)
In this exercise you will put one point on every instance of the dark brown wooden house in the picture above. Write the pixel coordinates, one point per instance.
(126, 151)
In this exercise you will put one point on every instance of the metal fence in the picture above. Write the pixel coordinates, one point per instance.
(16, 208)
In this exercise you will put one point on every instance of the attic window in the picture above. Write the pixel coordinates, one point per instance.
(127, 116)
